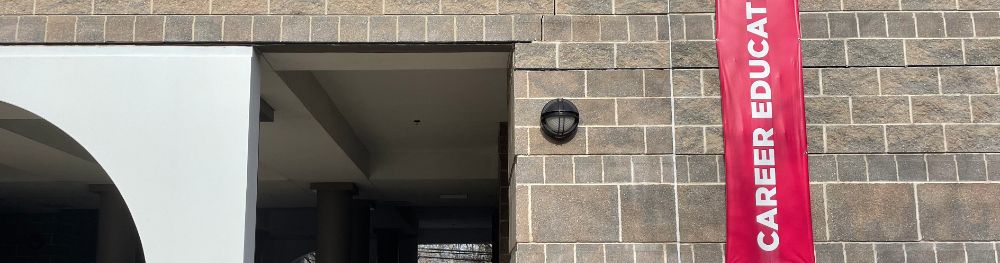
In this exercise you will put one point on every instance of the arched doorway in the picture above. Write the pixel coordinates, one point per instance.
(57, 204)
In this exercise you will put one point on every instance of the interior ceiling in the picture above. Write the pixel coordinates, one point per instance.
(459, 98)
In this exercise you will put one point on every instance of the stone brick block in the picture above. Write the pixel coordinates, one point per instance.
(239, 28)
(690, 140)
(534, 55)
(818, 5)
(854, 139)
(642, 55)
(592, 111)
(324, 28)
(644, 111)
(697, 111)
(911, 167)
(641, 6)
(830, 252)
(870, 5)
(617, 169)
(646, 169)
(659, 140)
(297, 7)
(268, 28)
(527, 6)
(641, 28)
(823, 53)
(971, 167)
(685, 254)
(180, 6)
(352, 28)
(590, 253)
(8, 29)
(978, 4)
(992, 18)
(17, 7)
(708, 252)
(966, 80)
(559, 253)
(558, 169)
(828, 110)
(958, 24)
(822, 168)
(909, 81)
(859, 252)
(557, 28)
(699, 27)
(880, 109)
(928, 4)
(178, 28)
(892, 252)
(930, 24)
(982, 51)
(692, 6)
(843, 25)
(471, 28)
(993, 160)
(814, 25)
(623, 253)
(614, 83)
(852, 168)
(941, 109)
(810, 81)
(881, 167)
(90, 29)
(657, 83)
(60, 29)
(62, 7)
(663, 29)
(529, 170)
(941, 167)
(674, 27)
(411, 6)
(248, 7)
(815, 139)
(702, 210)
(886, 213)
(590, 206)
(875, 52)
(120, 6)
(412, 29)
(616, 140)
(540, 144)
(915, 138)
(354, 7)
(919, 252)
(850, 81)
(613, 28)
(588, 169)
(586, 28)
(872, 25)
(713, 140)
(294, 28)
(901, 24)
(703, 169)
(985, 108)
(527, 27)
(467, 7)
(940, 203)
(647, 213)
(686, 82)
(652, 253)
(209, 28)
(950, 252)
(529, 253)
(980, 252)
(693, 54)
(149, 28)
(934, 52)
(584, 6)
(667, 168)
(586, 55)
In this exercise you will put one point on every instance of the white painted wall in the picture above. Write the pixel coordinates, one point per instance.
(174, 127)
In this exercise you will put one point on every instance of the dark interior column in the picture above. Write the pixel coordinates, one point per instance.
(333, 211)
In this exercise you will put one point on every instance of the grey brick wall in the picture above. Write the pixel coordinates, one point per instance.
(901, 98)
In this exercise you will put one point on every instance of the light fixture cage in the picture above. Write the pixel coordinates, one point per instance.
(560, 118)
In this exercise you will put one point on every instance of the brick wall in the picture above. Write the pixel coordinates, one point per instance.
(902, 112)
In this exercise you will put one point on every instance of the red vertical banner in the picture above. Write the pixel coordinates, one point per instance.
(763, 119)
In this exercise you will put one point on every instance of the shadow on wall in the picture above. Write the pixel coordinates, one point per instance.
(56, 202)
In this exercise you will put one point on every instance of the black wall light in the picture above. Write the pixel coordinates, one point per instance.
(559, 119)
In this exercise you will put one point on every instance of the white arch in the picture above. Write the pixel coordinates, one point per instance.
(174, 127)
